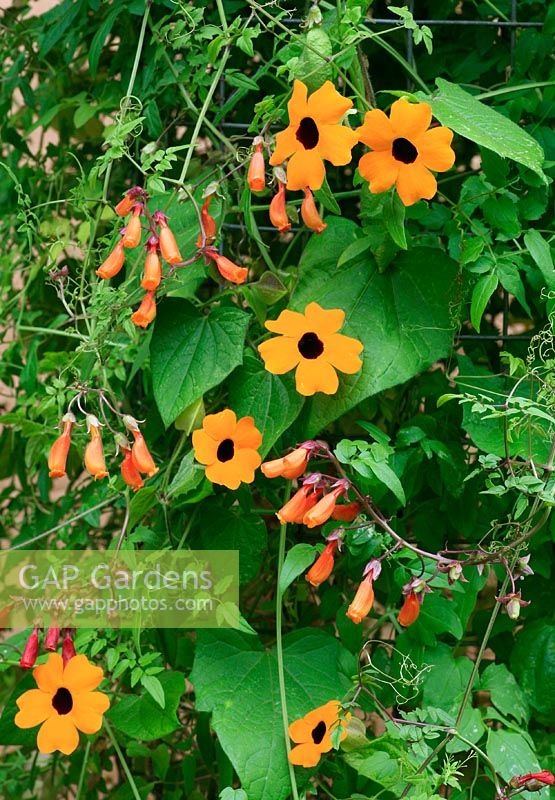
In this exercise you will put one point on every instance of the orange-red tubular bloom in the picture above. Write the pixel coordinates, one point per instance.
(146, 312)
(140, 453)
(300, 503)
(278, 212)
(323, 566)
(129, 472)
(290, 466)
(208, 224)
(255, 177)
(323, 509)
(347, 512)
(58, 452)
(363, 601)
(227, 269)
(125, 205)
(409, 611)
(168, 245)
(94, 454)
(132, 235)
(152, 274)
(31, 651)
(309, 213)
(112, 265)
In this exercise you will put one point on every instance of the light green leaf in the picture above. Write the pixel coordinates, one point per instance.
(483, 290)
(468, 117)
(192, 352)
(506, 694)
(540, 251)
(385, 474)
(533, 663)
(140, 717)
(155, 689)
(187, 477)
(296, 561)
(511, 755)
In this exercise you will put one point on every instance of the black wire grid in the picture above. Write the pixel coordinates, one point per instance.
(512, 25)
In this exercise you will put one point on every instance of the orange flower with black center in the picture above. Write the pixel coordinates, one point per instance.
(314, 134)
(404, 151)
(229, 448)
(312, 733)
(64, 703)
(311, 344)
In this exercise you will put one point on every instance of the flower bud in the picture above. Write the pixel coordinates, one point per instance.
(125, 205)
(152, 274)
(347, 512)
(59, 451)
(295, 509)
(68, 648)
(278, 212)
(140, 453)
(309, 213)
(132, 233)
(146, 312)
(113, 264)
(51, 639)
(323, 566)
(94, 453)
(256, 178)
(290, 466)
(129, 471)
(31, 651)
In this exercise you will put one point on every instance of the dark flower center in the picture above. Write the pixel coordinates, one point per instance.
(404, 151)
(63, 701)
(318, 732)
(307, 133)
(310, 346)
(226, 450)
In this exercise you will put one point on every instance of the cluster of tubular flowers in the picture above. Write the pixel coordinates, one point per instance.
(137, 460)
(51, 641)
(312, 734)
(205, 243)
(228, 447)
(63, 703)
(310, 343)
(404, 150)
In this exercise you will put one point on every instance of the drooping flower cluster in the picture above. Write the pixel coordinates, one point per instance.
(51, 642)
(64, 702)
(404, 150)
(137, 460)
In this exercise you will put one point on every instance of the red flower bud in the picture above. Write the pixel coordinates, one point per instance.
(409, 611)
(51, 639)
(309, 213)
(68, 648)
(31, 651)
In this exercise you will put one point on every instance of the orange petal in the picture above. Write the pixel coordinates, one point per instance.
(34, 707)
(80, 675)
(58, 733)
(87, 711)
(300, 730)
(221, 425)
(305, 755)
(291, 323)
(343, 353)
(376, 130)
(316, 376)
(245, 463)
(305, 169)
(323, 320)
(280, 354)
(410, 120)
(326, 106)
(335, 143)
(434, 149)
(415, 182)
(247, 434)
(380, 169)
(286, 144)
(49, 676)
(297, 107)
(223, 474)
(205, 447)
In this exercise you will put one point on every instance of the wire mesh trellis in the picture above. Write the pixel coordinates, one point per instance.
(512, 25)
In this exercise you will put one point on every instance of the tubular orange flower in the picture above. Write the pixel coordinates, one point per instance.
(310, 343)
(152, 274)
(146, 312)
(168, 245)
(132, 234)
(404, 151)
(59, 451)
(68, 648)
(301, 502)
(314, 134)
(323, 566)
(64, 703)
(309, 213)
(129, 472)
(312, 733)
(140, 453)
(228, 447)
(290, 466)
(112, 265)
(125, 205)
(363, 600)
(278, 211)
(323, 509)
(255, 176)
(94, 454)
(347, 512)
(30, 651)
(227, 269)
(208, 224)
(409, 611)
(51, 639)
